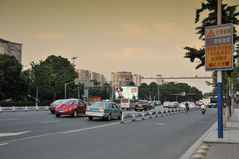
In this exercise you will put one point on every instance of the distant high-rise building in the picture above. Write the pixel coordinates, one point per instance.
(87, 75)
(137, 79)
(125, 78)
(11, 48)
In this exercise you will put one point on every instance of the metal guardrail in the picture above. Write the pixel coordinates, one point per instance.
(128, 116)
(24, 108)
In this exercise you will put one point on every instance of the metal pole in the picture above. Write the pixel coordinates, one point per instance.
(219, 80)
(78, 91)
(65, 90)
(230, 98)
(112, 91)
(158, 84)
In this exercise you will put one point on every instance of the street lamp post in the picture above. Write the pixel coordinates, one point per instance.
(65, 87)
(73, 59)
(35, 98)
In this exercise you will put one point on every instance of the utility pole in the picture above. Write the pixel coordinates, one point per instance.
(65, 87)
(158, 77)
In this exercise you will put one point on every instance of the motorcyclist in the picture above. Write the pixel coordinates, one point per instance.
(187, 106)
(203, 108)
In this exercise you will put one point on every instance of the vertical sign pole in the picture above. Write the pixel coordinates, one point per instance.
(219, 80)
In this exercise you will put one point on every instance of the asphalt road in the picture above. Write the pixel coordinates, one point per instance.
(40, 135)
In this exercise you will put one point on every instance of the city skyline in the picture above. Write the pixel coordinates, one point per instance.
(144, 37)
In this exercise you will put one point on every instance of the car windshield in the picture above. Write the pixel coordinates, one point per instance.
(99, 105)
(64, 101)
(125, 101)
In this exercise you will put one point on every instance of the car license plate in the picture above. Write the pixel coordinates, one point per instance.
(62, 111)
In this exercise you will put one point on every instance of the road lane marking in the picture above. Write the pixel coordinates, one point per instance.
(10, 119)
(3, 144)
(159, 124)
(94, 127)
(57, 133)
(47, 122)
(13, 134)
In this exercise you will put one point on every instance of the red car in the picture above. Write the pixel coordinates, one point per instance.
(71, 107)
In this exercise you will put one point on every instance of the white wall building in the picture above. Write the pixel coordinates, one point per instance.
(11, 48)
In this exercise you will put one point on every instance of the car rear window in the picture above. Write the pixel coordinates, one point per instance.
(58, 102)
(99, 105)
(65, 101)
(125, 101)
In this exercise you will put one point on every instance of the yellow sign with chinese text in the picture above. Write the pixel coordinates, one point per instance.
(219, 47)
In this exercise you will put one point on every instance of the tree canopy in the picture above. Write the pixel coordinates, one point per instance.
(229, 15)
(12, 85)
(49, 77)
(169, 92)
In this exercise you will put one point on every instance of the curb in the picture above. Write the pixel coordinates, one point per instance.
(201, 152)
(194, 147)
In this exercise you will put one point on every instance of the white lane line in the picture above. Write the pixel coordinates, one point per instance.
(10, 119)
(46, 122)
(94, 127)
(2, 144)
(58, 133)
(13, 134)
(159, 124)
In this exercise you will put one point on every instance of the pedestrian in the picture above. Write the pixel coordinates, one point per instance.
(187, 106)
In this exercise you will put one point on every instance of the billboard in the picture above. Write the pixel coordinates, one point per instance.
(129, 92)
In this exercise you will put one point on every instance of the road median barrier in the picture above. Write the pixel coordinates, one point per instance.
(129, 116)
(23, 108)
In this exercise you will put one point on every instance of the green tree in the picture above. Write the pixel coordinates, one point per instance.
(103, 91)
(170, 92)
(153, 90)
(12, 85)
(50, 76)
(143, 91)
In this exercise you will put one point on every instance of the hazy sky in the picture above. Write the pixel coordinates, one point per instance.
(141, 36)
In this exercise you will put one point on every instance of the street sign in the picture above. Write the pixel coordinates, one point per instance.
(219, 47)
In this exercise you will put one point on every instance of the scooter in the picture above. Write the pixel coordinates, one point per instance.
(203, 110)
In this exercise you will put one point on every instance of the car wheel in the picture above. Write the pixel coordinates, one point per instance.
(75, 113)
(108, 117)
(119, 117)
(90, 117)
(58, 115)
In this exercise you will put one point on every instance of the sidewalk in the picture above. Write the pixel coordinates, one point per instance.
(226, 148)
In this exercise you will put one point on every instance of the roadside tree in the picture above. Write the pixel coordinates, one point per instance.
(12, 85)
(229, 15)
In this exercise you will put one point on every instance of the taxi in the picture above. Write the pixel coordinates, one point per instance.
(103, 109)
